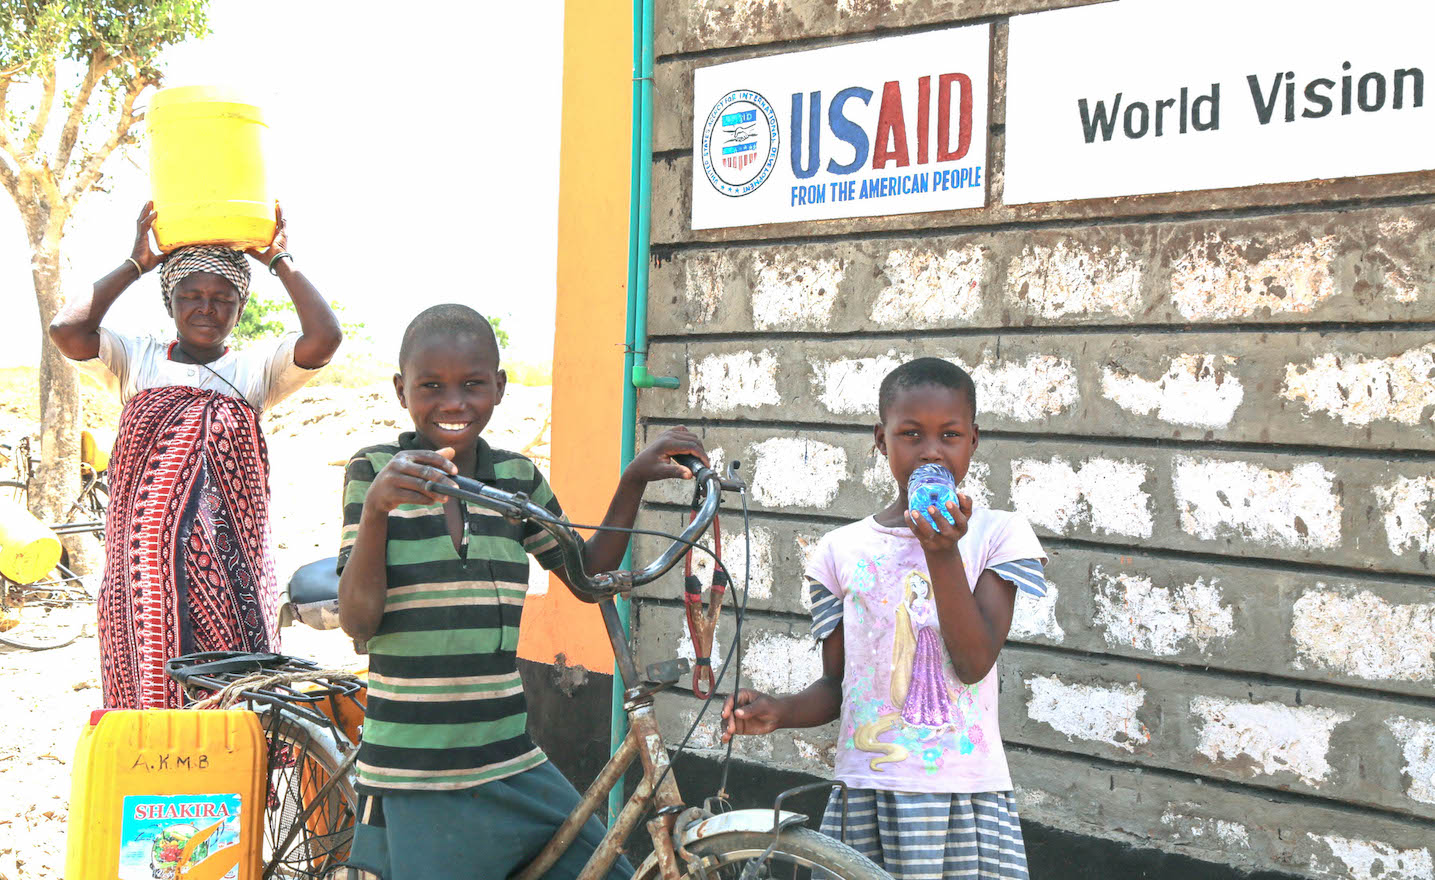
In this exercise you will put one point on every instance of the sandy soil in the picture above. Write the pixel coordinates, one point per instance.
(46, 697)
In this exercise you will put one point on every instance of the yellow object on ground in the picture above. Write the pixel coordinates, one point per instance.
(207, 169)
(167, 792)
(28, 549)
(95, 447)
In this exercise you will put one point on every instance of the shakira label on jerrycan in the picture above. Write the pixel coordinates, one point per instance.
(932, 485)
(207, 169)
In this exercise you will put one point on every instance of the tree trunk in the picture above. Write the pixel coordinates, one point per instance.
(56, 482)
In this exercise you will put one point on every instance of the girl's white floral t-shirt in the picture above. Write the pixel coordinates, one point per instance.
(908, 722)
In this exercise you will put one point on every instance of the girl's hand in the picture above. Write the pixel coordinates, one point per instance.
(755, 713)
(402, 479)
(280, 242)
(143, 252)
(656, 461)
(944, 538)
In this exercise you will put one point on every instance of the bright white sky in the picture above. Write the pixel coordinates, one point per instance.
(415, 154)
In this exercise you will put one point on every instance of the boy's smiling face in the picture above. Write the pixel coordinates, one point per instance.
(450, 385)
(926, 424)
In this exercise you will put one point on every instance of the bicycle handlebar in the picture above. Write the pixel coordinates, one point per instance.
(597, 587)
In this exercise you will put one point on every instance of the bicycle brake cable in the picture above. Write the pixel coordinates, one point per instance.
(739, 614)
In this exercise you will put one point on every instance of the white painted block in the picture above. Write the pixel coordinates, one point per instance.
(1198, 390)
(1161, 621)
(1294, 508)
(1267, 738)
(1089, 712)
(1214, 279)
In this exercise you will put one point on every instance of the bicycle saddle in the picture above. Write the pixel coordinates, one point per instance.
(312, 595)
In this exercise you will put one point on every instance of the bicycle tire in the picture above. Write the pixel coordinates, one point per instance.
(15, 491)
(33, 623)
(800, 854)
(305, 839)
(99, 498)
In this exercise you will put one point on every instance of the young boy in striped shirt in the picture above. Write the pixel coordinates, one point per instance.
(451, 784)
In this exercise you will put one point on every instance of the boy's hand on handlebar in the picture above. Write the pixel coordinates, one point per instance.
(656, 461)
(402, 479)
(144, 253)
(755, 713)
(944, 538)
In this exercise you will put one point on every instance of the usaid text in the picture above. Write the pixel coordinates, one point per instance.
(1279, 97)
(889, 143)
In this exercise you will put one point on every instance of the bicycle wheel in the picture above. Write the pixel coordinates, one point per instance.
(15, 492)
(42, 615)
(309, 817)
(800, 854)
(99, 499)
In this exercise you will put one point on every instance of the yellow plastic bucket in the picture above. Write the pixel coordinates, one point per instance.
(28, 549)
(95, 446)
(207, 169)
(167, 793)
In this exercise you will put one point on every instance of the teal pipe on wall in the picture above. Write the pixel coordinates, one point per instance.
(635, 342)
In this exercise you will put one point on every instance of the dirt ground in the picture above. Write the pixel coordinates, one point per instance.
(46, 697)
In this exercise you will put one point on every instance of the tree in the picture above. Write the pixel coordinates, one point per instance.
(77, 67)
(499, 333)
(257, 321)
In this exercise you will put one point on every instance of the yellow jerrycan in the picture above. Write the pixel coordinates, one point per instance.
(28, 549)
(207, 170)
(167, 793)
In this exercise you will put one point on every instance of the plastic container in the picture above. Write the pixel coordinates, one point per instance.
(207, 169)
(28, 549)
(932, 485)
(95, 447)
(167, 793)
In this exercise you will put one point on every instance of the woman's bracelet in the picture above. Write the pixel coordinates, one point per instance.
(274, 261)
(136, 263)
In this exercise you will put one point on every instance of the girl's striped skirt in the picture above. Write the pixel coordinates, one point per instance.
(922, 836)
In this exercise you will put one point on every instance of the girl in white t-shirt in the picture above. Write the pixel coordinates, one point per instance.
(911, 620)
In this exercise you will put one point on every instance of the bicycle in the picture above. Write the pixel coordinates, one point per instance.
(745, 844)
(309, 828)
(94, 495)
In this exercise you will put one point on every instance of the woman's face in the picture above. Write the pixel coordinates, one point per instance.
(205, 307)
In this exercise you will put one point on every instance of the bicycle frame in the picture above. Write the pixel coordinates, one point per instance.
(644, 741)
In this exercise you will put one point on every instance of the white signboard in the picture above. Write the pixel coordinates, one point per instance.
(890, 126)
(1154, 96)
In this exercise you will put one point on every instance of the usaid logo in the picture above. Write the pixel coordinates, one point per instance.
(739, 145)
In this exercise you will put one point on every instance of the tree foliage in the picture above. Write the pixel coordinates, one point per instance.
(93, 59)
(259, 320)
(72, 73)
(499, 333)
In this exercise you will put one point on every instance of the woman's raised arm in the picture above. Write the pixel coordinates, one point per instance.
(319, 332)
(75, 330)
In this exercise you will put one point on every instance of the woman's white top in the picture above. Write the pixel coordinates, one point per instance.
(263, 374)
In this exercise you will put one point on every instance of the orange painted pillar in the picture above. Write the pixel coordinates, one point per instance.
(591, 310)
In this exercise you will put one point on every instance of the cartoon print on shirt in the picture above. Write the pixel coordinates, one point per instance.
(928, 711)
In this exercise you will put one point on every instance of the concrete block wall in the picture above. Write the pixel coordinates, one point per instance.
(1217, 409)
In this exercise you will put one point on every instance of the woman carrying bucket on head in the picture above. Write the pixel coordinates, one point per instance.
(189, 564)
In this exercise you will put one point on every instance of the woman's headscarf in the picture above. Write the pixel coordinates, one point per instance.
(225, 262)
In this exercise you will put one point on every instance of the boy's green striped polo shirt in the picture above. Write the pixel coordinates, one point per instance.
(446, 707)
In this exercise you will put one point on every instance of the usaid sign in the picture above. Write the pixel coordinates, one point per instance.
(890, 126)
(1153, 96)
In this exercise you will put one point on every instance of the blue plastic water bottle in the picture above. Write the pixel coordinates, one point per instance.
(932, 485)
